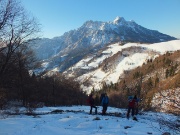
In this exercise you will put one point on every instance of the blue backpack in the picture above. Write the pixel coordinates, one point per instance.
(105, 100)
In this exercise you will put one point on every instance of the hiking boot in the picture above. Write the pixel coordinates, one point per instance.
(134, 118)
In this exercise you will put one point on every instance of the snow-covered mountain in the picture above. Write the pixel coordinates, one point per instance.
(109, 65)
(64, 51)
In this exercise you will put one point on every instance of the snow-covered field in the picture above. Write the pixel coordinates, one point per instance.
(75, 120)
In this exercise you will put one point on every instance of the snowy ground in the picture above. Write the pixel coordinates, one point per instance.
(80, 122)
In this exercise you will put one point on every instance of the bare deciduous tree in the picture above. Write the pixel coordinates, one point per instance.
(16, 28)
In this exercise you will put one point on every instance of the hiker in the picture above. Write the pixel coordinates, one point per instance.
(91, 103)
(105, 102)
(136, 110)
(131, 106)
(101, 97)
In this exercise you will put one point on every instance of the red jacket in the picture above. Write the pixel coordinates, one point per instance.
(132, 103)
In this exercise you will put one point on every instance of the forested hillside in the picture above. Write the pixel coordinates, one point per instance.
(157, 79)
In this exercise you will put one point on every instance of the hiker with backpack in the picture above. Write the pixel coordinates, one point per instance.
(90, 101)
(131, 106)
(101, 97)
(105, 102)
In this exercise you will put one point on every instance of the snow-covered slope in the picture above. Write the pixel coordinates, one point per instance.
(167, 101)
(110, 64)
(75, 120)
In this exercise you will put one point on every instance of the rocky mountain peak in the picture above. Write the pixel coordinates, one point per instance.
(66, 50)
(119, 20)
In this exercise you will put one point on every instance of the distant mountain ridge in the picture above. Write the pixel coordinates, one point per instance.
(66, 50)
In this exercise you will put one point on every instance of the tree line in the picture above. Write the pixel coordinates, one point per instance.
(17, 29)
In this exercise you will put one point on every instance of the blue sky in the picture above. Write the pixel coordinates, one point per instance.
(59, 16)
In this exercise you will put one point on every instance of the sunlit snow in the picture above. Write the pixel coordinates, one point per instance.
(133, 60)
(76, 120)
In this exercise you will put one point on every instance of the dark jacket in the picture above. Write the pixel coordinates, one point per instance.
(105, 100)
(90, 100)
